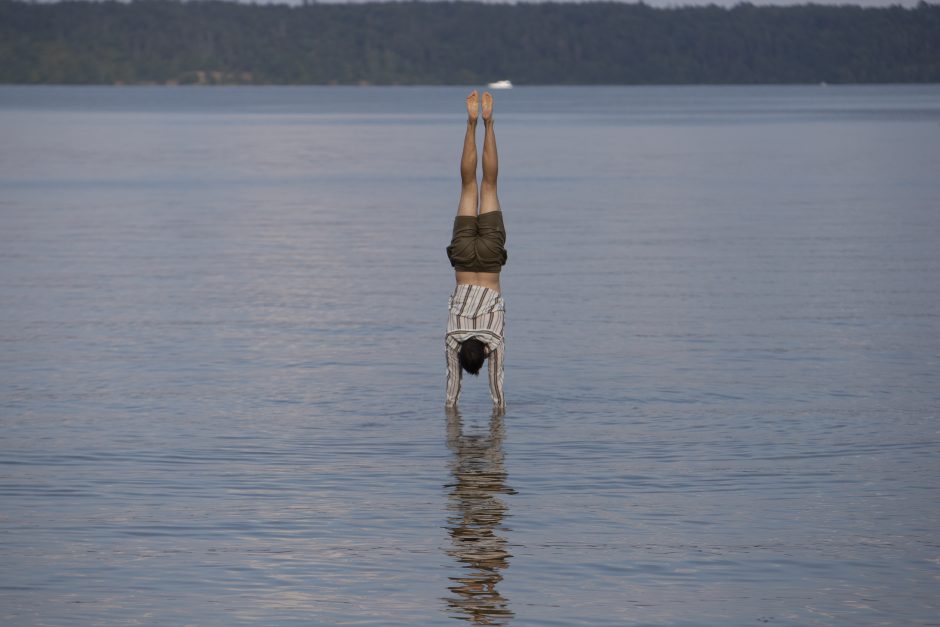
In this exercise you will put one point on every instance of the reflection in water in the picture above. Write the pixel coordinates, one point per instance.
(476, 515)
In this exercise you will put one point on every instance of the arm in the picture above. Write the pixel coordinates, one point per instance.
(453, 377)
(495, 368)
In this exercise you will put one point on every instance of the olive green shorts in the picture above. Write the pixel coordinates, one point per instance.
(478, 243)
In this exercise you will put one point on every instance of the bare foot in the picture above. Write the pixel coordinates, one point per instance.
(473, 106)
(487, 106)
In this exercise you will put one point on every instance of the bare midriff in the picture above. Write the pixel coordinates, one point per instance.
(486, 279)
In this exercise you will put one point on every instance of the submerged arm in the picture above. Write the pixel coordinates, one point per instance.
(495, 369)
(453, 377)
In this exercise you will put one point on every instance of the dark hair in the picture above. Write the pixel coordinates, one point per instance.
(472, 355)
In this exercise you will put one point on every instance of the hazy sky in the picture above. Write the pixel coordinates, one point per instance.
(654, 3)
(673, 3)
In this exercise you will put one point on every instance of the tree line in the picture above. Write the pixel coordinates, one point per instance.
(167, 41)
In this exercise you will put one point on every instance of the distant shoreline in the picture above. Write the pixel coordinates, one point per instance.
(442, 43)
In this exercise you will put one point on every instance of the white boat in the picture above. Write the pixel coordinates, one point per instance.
(500, 85)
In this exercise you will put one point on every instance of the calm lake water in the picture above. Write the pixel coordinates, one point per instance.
(222, 371)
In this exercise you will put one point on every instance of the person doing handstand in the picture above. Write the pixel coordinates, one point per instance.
(477, 253)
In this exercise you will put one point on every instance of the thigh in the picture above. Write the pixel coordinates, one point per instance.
(489, 201)
(468, 200)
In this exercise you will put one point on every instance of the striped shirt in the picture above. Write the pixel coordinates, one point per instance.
(475, 312)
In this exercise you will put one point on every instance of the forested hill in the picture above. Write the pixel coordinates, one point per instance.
(160, 41)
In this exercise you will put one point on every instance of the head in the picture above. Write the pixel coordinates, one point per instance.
(472, 354)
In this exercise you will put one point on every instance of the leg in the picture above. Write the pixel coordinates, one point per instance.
(489, 201)
(468, 162)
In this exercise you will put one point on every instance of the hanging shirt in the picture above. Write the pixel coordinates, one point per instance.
(475, 312)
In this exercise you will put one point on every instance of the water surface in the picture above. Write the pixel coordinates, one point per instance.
(221, 375)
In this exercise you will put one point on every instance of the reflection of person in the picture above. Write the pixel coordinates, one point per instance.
(476, 516)
(477, 252)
